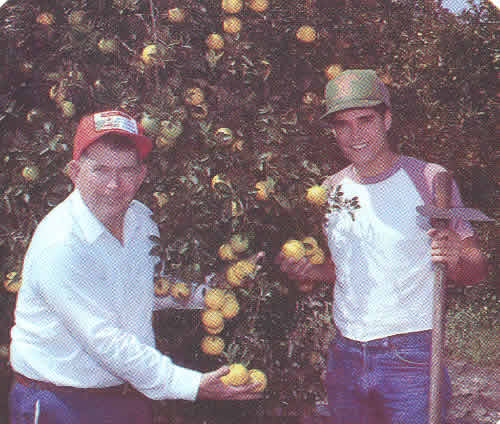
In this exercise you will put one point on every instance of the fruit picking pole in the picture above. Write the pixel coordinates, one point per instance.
(443, 196)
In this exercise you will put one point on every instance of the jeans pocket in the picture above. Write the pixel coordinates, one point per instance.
(412, 356)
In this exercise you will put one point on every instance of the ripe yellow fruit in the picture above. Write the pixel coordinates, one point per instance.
(67, 108)
(306, 34)
(232, 25)
(258, 5)
(212, 345)
(310, 244)
(171, 128)
(215, 42)
(333, 71)
(232, 277)
(180, 291)
(318, 257)
(263, 190)
(226, 252)
(239, 243)
(230, 308)
(316, 195)
(293, 249)
(257, 376)
(224, 136)
(212, 318)
(30, 173)
(215, 330)
(176, 15)
(165, 143)
(232, 6)
(12, 282)
(45, 18)
(152, 54)
(215, 298)
(108, 45)
(161, 198)
(194, 96)
(238, 375)
(162, 287)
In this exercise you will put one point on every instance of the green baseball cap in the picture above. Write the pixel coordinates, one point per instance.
(355, 88)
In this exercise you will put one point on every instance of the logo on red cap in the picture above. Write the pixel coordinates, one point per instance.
(115, 120)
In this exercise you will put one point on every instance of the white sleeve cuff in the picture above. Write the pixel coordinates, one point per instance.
(185, 383)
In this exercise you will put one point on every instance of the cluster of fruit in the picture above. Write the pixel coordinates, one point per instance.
(239, 375)
(178, 290)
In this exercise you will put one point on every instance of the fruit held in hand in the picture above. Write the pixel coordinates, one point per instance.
(257, 376)
(238, 375)
(293, 250)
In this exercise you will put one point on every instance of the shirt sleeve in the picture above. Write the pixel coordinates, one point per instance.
(70, 285)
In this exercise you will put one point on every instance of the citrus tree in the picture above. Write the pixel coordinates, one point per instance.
(231, 91)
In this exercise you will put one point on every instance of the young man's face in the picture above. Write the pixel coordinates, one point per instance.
(108, 180)
(362, 135)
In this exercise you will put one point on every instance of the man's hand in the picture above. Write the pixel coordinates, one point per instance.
(211, 387)
(445, 247)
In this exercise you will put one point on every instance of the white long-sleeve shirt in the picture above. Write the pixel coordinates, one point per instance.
(84, 312)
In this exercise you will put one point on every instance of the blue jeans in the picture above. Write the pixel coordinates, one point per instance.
(32, 405)
(382, 381)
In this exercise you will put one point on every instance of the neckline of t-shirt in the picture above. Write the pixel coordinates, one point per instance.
(375, 179)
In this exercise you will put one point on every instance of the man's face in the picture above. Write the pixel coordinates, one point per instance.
(108, 180)
(361, 134)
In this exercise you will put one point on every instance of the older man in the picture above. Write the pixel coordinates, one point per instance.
(83, 345)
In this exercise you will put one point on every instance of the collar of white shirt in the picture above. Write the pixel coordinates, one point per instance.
(92, 228)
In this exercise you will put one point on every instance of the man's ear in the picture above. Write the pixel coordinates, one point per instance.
(387, 119)
(72, 170)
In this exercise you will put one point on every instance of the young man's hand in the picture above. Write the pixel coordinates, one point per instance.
(211, 387)
(445, 247)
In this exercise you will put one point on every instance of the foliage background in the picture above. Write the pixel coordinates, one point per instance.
(266, 86)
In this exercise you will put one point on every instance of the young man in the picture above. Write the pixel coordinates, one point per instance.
(381, 263)
(83, 345)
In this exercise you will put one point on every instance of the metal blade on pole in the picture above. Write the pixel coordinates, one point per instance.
(443, 196)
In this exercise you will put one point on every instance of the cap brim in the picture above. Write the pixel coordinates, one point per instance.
(351, 105)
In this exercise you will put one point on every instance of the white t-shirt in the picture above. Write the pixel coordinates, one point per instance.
(84, 311)
(384, 278)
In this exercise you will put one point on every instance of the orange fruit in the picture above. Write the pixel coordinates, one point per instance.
(152, 54)
(67, 108)
(162, 287)
(258, 5)
(294, 250)
(263, 190)
(30, 173)
(257, 376)
(212, 345)
(226, 252)
(215, 42)
(215, 330)
(215, 298)
(317, 257)
(238, 375)
(230, 308)
(333, 71)
(212, 318)
(239, 243)
(180, 291)
(161, 198)
(194, 96)
(176, 15)
(232, 6)
(45, 18)
(13, 282)
(316, 195)
(306, 34)
(232, 25)
(108, 45)
(171, 128)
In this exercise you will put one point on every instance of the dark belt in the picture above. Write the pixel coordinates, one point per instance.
(122, 389)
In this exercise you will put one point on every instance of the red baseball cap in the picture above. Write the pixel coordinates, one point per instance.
(92, 127)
